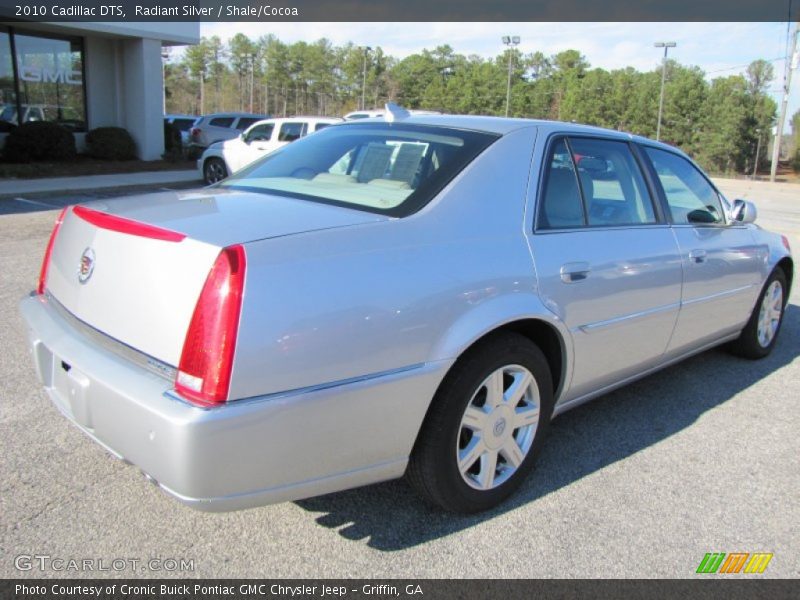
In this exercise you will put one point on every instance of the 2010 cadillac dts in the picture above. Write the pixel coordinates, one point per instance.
(414, 296)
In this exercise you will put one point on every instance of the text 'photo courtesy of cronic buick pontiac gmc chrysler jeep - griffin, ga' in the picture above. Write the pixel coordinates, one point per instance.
(411, 295)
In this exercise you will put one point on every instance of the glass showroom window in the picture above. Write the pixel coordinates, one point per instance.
(50, 74)
(8, 95)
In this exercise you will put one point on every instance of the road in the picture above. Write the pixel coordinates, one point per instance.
(702, 457)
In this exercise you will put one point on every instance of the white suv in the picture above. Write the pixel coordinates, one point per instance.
(218, 127)
(223, 158)
(378, 112)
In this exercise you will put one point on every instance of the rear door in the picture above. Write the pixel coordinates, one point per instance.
(722, 264)
(218, 129)
(606, 260)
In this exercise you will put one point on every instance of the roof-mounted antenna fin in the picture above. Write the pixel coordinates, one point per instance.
(395, 113)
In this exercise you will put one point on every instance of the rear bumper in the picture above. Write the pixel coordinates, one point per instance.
(243, 454)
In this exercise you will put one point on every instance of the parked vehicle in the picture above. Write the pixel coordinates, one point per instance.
(184, 123)
(218, 127)
(261, 138)
(413, 297)
(66, 116)
(379, 112)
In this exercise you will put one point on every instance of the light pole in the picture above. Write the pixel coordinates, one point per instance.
(666, 46)
(164, 59)
(252, 58)
(364, 79)
(510, 41)
(758, 151)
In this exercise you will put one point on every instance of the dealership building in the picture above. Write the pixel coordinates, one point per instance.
(88, 75)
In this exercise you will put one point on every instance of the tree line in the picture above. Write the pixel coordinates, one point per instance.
(719, 122)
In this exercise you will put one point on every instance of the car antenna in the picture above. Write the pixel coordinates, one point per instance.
(395, 113)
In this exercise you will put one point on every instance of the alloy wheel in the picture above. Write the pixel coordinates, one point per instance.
(498, 427)
(769, 317)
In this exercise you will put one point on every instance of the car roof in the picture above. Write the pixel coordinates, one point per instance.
(299, 118)
(233, 114)
(505, 125)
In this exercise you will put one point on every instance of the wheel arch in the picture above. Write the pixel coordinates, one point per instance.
(215, 156)
(540, 326)
(787, 266)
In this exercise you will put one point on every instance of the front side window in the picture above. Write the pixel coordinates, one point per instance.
(259, 133)
(388, 168)
(691, 199)
(290, 132)
(50, 80)
(612, 183)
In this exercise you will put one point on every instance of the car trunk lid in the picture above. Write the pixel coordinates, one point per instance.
(133, 269)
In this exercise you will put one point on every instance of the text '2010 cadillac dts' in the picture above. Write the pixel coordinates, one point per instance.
(413, 295)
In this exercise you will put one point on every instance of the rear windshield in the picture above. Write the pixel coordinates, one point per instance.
(183, 124)
(387, 168)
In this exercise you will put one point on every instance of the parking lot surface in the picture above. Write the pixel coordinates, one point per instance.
(701, 457)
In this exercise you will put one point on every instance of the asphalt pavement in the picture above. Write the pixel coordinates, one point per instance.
(701, 457)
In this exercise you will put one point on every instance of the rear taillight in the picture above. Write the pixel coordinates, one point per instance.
(204, 372)
(195, 132)
(48, 251)
(786, 245)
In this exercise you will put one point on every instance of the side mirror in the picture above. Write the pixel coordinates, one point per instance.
(743, 211)
(243, 137)
(701, 216)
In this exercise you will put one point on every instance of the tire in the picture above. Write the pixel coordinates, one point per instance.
(761, 332)
(214, 170)
(467, 423)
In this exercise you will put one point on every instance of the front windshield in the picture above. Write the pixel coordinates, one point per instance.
(388, 168)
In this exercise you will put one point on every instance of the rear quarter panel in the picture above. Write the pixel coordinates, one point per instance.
(345, 303)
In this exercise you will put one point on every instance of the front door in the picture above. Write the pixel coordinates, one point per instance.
(722, 264)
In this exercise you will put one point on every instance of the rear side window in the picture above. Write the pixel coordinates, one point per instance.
(691, 198)
(221, 122)
(612, 183)
(593, 182)
(290, 132)
(245, 122)
(319, 126)
(561, 205)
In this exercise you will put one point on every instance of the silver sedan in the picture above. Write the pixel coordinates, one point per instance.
(410, 295)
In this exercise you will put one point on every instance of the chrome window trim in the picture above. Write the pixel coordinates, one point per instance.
(662, 218)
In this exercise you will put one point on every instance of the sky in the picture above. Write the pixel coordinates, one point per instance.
(720, 49)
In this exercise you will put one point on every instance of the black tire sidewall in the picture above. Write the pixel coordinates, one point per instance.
(207, 165)
(453, 398)
(748, 344)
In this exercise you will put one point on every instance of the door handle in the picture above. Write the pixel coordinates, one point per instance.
(697, 256)
(574, 272)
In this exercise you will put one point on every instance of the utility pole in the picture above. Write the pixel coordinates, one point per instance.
(510, 41)
(791, 64)
(666, 46)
